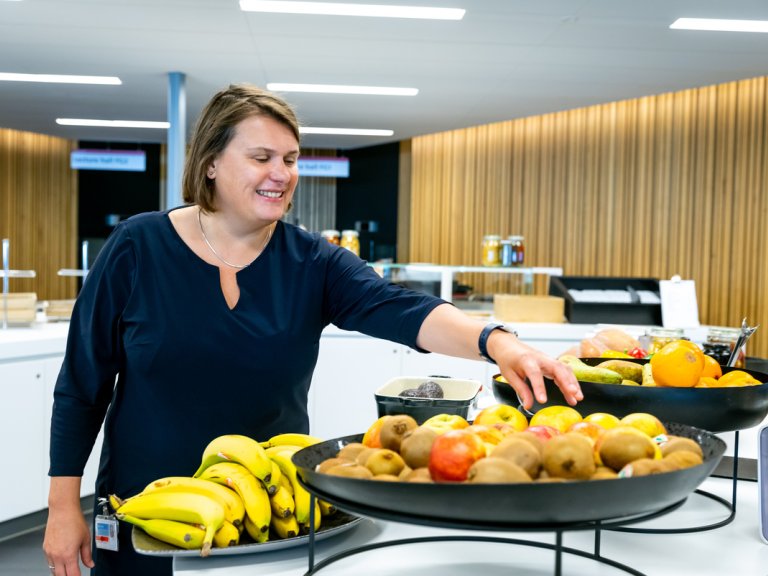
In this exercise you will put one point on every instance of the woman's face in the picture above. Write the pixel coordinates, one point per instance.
(256, 174)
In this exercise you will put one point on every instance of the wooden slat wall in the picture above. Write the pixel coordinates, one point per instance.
(669, 184)
(38, 211)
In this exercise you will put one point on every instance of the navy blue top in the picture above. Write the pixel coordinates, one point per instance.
(154, 346)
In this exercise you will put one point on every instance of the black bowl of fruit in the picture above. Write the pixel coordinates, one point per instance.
(717, 409)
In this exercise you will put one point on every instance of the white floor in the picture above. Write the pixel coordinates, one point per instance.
(730, 550)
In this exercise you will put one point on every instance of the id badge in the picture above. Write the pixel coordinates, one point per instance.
(105, 532)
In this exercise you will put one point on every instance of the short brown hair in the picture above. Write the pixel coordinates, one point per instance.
(215, 128)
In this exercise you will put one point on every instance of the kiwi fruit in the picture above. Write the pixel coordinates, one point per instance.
(491, 470)
(519, 452)
(393, 430)
(421, 475)
(350, 451)
(386, 478)
(680, 443)
(350, 470)
(385, 461)
(683, 459)
(549, 479)
(620, 446)
(532, 439)
(404, 472)
(362, 456)
(330, 463)
(643, 467)
(416, 446)
(570, 456)
(604, 473)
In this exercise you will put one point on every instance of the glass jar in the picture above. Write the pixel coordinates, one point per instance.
(507, 255)
(657, 338)
(719, 344)
(491, 250)
(331, 235)
(350, 240)
(518, 250)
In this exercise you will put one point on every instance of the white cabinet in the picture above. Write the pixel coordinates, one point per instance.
(22, 429)
(352, 366)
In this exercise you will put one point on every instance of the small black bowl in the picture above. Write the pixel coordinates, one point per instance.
(712, 409)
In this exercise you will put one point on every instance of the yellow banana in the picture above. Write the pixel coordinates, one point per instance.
(318, 519)
(285, 483)
(301, 496)
(274, 480)
(282, 503)
(234, 509)
(252, 492)
(255, 532)
(237, 448)
(226, 536)
(326, 508)
(179, 506)
(178, 534)
(291, 439)
(285, 527)
(282, 448)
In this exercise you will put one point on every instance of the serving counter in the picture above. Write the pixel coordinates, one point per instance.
(732, 549)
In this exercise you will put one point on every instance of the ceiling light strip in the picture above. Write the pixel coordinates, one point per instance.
(111, 123)
(341, 89)
(343, 9)
(720, 25)
(59, 78)
(345, 131)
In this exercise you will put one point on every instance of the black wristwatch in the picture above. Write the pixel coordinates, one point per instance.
(482, 342)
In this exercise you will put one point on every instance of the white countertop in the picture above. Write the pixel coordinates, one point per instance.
(39, 339)
(732, 549)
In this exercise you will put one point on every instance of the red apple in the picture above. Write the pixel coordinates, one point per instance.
(453, 453)
(543, 432)
(502, 413)
(505, 429)
(490, 435)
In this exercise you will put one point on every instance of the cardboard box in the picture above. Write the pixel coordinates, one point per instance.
(525, 308)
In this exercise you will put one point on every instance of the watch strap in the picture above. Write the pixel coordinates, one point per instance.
(482, 341)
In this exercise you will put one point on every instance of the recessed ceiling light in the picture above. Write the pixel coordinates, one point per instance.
(111, 123)
(720, 25)
(345, 131)
(340, 89)
(344, 9)
(59, 78)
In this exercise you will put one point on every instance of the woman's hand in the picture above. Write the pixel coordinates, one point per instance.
(67, 536)
(519, 362)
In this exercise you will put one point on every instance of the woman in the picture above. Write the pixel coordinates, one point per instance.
(206, 320)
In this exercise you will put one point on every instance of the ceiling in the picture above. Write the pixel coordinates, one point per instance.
(506, 59)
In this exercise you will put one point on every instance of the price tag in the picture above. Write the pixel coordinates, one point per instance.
(679, 308)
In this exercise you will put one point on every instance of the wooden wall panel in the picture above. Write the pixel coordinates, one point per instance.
(38, 211)
(669, 184)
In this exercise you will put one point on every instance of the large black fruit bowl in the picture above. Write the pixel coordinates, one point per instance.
(507, 506)
(712, 409)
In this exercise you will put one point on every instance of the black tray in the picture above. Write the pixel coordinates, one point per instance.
(533, 505)
(712, 409)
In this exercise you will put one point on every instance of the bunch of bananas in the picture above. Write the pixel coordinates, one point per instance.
(241, 485)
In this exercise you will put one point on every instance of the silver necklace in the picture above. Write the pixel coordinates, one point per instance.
(213, 250)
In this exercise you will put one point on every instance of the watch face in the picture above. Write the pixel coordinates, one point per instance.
(762, 484)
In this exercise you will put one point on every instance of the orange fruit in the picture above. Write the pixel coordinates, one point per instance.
(711, 367)
(678, 364)
(603, 419)
(372, 436)
(708, 382)
(729, 377)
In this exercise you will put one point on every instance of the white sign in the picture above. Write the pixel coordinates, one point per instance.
(679, 307)
(123, 160)
(327, 167)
